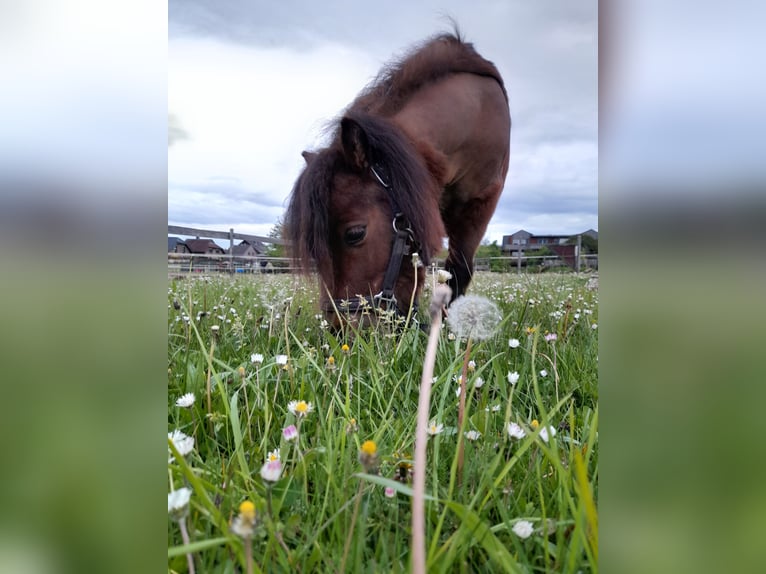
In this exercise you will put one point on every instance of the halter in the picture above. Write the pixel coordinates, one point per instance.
(403, 241)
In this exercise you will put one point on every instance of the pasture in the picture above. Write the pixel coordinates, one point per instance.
(272, 382)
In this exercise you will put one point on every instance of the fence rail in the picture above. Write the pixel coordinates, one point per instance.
(185, 264)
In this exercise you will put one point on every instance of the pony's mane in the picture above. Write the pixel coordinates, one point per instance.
(307, 220)
(438, 57)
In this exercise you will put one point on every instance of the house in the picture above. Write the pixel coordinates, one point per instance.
(177, 245)
(204, 246)
(526, 241)
(249, 249)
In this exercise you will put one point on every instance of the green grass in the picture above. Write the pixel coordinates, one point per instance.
(328, 514)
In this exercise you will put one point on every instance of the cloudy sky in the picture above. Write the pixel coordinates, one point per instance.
(253, 83)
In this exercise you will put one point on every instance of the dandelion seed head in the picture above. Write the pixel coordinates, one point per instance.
(473, 316)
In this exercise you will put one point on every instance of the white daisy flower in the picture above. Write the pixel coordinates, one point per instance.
(515, 431)
(434, 429)
(178, 500)
(523, 529)
(478, 383)
(271, 471)
(184, 444)
(256, 358)
(185, 401)
(300, 408)
(547, 432)
(472, 435)
(513, 343)
(281, 359)
(273, 455)
(513, 377)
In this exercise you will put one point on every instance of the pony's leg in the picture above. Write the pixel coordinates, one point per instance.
(465, 224)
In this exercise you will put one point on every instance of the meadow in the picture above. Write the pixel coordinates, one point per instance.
(291, 445)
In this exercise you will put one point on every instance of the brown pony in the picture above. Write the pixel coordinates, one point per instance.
(421, 153)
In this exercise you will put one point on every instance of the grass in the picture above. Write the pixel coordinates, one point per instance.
(328, 512)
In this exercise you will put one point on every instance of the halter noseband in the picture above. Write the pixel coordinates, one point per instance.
(404, 239)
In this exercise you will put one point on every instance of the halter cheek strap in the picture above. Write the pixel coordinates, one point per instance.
(404, 239)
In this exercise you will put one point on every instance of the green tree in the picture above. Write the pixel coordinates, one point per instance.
(275, 249)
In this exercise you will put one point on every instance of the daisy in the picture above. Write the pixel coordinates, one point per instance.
(513, 377)
(185, 401)
(271, 471)
(389, 492)
(546, 433)
(434, 429)
(281, 360)
(472, 435)
(515, 431)
(178, 500)
(290, 433)
(478, 383)
(523, 529)
(184, 444)
(471, 366)
(256, 358)
(551, 337)
(300, 408)
(273, 455)
(513, 343)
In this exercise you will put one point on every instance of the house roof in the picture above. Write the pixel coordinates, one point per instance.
(173, 241)
(203, 245)
(243, 246)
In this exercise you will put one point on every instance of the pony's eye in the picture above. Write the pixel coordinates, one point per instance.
(355, 234)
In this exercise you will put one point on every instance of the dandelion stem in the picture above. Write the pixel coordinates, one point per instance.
(351, 528)
(209, 398)
(461, 413)
(185, 538)
(249, 555)
(440, 298)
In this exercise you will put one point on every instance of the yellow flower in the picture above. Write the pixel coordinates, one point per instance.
(247, 510)
(368, 456)
(345, 348)
(531, 330)
(534, 424)
(241, 372)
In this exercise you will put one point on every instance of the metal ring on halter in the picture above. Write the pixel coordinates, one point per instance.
(403, 220)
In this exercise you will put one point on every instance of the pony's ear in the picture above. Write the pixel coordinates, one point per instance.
(308, 156)
(356, 147)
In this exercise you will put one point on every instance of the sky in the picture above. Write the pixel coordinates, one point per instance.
(251, 84)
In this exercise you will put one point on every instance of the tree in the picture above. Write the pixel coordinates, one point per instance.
(275, 249)
(589, 244)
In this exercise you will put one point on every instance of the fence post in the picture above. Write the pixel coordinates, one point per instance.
(518, 260)
(231, 250)
(578, 247)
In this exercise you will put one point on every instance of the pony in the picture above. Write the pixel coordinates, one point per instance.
(420, 154)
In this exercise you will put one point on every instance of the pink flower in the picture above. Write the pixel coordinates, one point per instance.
(290, 433)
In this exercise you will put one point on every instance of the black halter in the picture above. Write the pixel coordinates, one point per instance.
(403, 241)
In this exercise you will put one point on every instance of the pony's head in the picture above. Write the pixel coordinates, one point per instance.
(358, 211)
